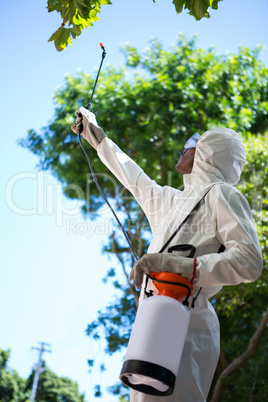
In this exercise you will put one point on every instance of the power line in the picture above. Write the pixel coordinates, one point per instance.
(38, 368)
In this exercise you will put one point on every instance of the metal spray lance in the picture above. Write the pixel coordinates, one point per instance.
(102, 58)
(88, 107)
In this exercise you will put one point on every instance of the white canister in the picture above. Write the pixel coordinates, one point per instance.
(155, 346)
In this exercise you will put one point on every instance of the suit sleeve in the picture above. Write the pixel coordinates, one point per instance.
(152, 198)
(235, 228)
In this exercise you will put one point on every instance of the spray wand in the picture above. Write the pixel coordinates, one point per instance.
(96, 80)
(89, 163)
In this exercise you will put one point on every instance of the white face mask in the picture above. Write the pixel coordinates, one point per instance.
(192, 141)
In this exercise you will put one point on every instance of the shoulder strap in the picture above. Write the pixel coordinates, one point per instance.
(184, 221)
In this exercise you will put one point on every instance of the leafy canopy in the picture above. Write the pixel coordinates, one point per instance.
(80, 14)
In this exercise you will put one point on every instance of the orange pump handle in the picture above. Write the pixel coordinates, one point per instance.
(172, 285)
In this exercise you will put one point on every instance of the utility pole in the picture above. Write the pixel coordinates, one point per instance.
(38, 369)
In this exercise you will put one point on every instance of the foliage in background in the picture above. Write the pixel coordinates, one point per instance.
(12, 386)
(172, 94)
(80, 14)
(51, 388)
(241, 308)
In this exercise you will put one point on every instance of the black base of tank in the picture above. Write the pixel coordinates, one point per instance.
(150, 370)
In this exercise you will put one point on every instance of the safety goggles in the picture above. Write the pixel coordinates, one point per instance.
(192, 141)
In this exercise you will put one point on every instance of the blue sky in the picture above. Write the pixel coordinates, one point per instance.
(51, 262)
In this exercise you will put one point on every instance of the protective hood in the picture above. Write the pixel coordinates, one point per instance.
(220, 156)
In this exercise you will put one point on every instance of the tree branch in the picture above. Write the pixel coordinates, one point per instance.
(248, 354)
(256, 374)
(222, 363)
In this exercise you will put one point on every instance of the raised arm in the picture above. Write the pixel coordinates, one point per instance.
(152, 198)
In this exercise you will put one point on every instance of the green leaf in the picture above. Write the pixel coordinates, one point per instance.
(76, 30)
(61, 38)
(214, 4)
(104, 2)
(199, 8)
(178, 5)
(67, 14)
(81, 2)
(55, 35)
(54, 5)
(82, 22)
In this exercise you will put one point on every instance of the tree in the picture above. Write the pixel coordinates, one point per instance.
(51, 388)
(12, 387)
(173, 94)
(80, 14)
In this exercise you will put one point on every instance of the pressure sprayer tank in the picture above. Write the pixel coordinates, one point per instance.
(156, 343)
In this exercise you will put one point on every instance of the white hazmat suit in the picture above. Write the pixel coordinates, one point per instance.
(224, 218)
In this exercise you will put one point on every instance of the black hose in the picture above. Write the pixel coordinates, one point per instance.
(105, 198)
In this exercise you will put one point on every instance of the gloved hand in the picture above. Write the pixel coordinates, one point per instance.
(91, 130)
(159, 262)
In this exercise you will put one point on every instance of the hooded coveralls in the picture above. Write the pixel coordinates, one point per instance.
(224, 218)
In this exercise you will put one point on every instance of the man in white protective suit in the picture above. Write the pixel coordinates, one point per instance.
(212, 162)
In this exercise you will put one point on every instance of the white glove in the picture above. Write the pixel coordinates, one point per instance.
(159, 262)
(91, 130)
